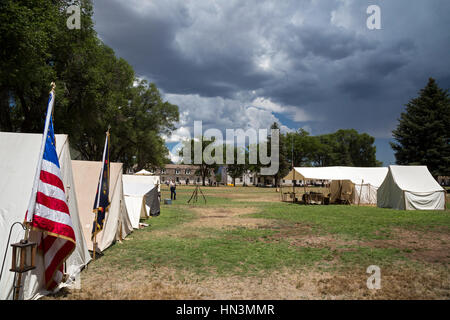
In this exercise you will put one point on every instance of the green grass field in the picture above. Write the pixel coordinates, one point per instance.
(244, 243)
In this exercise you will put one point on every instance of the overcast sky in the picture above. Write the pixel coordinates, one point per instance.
(309, 64)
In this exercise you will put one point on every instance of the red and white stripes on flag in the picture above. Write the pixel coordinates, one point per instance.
(48, 210)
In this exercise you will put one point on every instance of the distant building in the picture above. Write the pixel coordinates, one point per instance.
(247, 179)
(183, 174)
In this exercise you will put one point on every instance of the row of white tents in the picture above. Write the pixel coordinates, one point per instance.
(397, 187)
(18, 160)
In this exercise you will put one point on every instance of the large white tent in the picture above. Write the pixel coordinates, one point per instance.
(117, 223)
(367, 180)
(410, 188)
(18, 161)
(140, 195)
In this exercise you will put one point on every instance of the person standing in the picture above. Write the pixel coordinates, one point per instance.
(173, 193)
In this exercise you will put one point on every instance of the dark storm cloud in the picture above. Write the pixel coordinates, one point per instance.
(314, 60)
(148, 42)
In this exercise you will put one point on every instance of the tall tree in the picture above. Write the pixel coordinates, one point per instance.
(94, 88)
(27, 30)
(283, 164)
(345, 147)
(206, 168)
(235, 169)
(300, 148)
(422, 135)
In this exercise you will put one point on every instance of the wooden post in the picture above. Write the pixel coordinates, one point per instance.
(404, 198)
(304, 189)
(293, 168)
(293, 184)
(281, 191)
(17, 288)
(95, 236)
(445, 199)
(360, 191)
(121, 221)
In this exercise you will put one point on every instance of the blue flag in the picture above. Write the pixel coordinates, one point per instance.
(101, 203)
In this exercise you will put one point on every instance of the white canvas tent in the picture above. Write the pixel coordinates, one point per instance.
(366, 180)
(140, 194)
(117, 223)
(150, 178)
(144, 172)
(18, 161)
(410, 188)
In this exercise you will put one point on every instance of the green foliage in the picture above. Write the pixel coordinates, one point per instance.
(94, 88)
(235, 169)
(423, 135)
(342, 148)
(283, 164)
(354, 222)
(345, 147)
(355, 235)
(27, 31)
(208, 164)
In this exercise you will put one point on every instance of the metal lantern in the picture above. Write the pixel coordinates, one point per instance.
(23, 256)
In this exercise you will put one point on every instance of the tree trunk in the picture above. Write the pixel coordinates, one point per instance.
(5, 115)
(27, 122)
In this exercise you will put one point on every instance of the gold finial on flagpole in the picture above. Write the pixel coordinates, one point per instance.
(53, 91)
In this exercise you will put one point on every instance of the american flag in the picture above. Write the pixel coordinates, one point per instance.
(48, 211)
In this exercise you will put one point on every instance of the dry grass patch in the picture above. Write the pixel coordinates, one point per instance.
(430, 246)
(402, 282)
(250, 197)
(142, 284)
(268, 199)
(224, 218)
(302, 235)
(166, 283)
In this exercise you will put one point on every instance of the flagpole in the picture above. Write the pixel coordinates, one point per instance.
(95, 234)
(32, 203)
(98, 192)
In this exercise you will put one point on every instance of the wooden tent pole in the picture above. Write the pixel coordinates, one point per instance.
(360, 191)
(281, 192)
(204, 198)
(95, 235)
(18, 285)
(445, 199)
(293, 184)
(404, 198)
